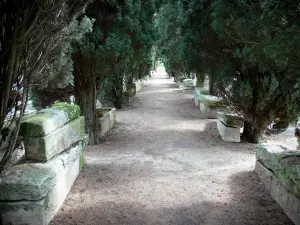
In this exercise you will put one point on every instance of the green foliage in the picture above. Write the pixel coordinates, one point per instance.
(32, 35)
(59, 82)
(249, 50)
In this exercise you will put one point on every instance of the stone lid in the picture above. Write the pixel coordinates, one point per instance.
(200, 91)
(197, 91)
(204, 91)
(283, 162)
(230, 120)
(48, 120)
(211, 100)
(33, 181)
(188, 82)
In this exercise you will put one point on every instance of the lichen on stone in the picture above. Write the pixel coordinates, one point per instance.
(72, 110)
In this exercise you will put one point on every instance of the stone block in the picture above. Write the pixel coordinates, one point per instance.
(204, 90)
(212, 101)
(284, 163)
(270, 155)
(229, 134)
(188, 83)
(197, 92)
(208, 112)
(44, 148)
(105, 124)
(48, 120)
(33, 181)
(289, 202)
(210, 106)
(138, 85)
(112, 117)
(32, 193)
(40, 212)
(230, 120)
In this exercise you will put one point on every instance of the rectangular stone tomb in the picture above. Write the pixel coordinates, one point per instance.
(108, 119)
(188, 84)
(229, 127)
(279, 169)
(138, 85)
(210, 106)
(45, 147)
(48, 120)
(32, 193)
(197, 92)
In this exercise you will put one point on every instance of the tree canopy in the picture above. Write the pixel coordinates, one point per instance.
(249, 50)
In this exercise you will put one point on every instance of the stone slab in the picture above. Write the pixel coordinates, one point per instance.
(208, 112)
(212, 101)
(284, 163)
(289, 202)
(229, 134)
(188, 83)
(41, 212)
(197, 92)
(230, 120)
(48, 120)
(138, 85)
(108, 114)
(204, 91)
(33, 181)
(112, 117)
(44, 148)
(105, 124)
(270, 155)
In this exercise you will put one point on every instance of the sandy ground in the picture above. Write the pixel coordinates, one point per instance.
(163, 164)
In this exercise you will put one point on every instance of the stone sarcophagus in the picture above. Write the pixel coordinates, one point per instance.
(107, 119)
(279, 170)
(188, 84)
(210, 105)
(31, 192)
(199, 91)
(229, 127)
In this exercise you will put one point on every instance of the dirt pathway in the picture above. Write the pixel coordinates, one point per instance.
(163, 164)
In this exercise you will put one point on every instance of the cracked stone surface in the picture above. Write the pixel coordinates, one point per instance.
(163, 164)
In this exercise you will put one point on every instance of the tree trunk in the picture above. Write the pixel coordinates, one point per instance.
(200, 78)
(251, 134)
(211, 84)
(86, 99)
(118, 103)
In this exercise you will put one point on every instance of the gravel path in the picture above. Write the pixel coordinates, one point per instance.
(163, 164)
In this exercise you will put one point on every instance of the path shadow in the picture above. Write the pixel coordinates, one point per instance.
(249, 204)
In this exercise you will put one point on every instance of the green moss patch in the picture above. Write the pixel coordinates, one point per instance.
(72, 110)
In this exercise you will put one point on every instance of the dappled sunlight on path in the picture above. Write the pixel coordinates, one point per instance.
(163, 164)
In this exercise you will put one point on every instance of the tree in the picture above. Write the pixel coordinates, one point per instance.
(264, 83)
(58, 84)
(250, 50)
(32, 32)
(117, 51)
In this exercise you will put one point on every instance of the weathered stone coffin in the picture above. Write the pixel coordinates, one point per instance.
(188, 84)
(138, 85)
(197, 92)
(46, 147)
(32, 193)
(229, 127)
(279, 169)
(108, 119)
(210, 106)
(48, 120)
